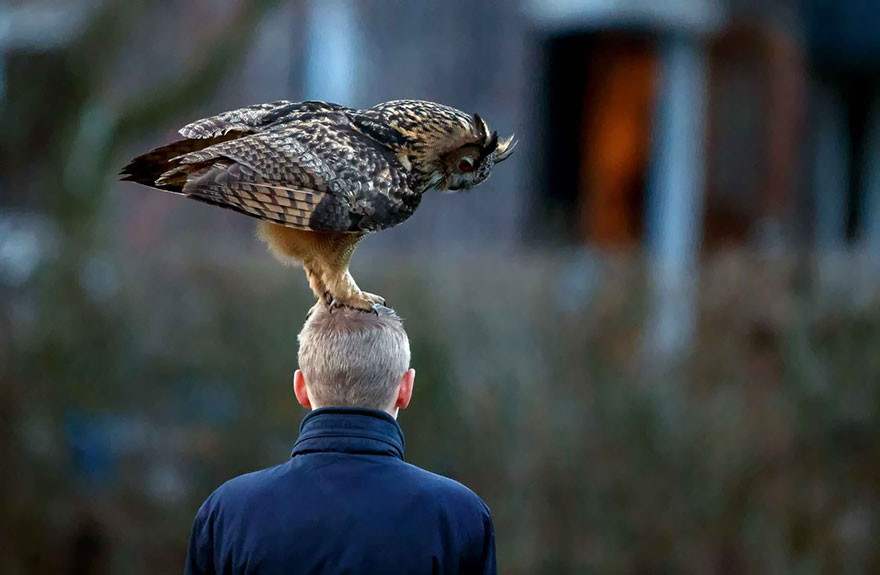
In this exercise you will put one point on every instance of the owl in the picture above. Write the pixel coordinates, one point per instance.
(321, 176)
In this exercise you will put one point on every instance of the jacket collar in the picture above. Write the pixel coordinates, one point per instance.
(349, 430)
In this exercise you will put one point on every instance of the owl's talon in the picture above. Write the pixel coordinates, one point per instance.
(369, 303)
(374, 299)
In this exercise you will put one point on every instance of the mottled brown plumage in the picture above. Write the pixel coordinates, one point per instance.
(321, 175)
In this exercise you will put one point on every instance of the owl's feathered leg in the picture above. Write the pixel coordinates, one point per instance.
(324, 256)
(315, 282)
(337, 278)
(345, 291)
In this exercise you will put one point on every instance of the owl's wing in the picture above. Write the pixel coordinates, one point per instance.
(148, 168)
(254, 118)
(318, 175)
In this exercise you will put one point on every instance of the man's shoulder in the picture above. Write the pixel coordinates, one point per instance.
(244, 488)
(245, 491)
(444, 489)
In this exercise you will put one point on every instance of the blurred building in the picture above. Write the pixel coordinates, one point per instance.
(688, 126)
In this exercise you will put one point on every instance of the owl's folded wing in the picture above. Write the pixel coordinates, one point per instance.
(319, 175)
(256, 118)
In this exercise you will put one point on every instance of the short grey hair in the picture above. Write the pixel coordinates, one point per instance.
(352, 358)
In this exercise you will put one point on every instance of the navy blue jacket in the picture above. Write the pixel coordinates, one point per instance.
(345, 502)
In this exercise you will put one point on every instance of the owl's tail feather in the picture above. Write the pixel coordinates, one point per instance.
(148, 168)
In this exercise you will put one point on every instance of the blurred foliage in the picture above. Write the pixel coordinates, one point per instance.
(60, 110)
(757, 454)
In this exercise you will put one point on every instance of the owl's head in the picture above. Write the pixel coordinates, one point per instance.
(447, 148)
(472, 161)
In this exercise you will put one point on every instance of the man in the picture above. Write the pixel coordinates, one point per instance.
(345, 502)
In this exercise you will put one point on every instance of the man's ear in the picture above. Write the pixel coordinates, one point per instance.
(404, 391)
(300, 390)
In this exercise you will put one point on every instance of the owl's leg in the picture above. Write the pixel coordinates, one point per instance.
(315, 282)
(325, 257)
(347, 293)
(337, 278)
(297, 247)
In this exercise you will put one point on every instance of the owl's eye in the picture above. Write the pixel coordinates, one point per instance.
(466, 165)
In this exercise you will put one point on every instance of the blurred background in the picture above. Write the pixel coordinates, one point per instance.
(651, 341)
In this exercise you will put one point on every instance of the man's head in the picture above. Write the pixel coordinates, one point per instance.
(349, 358)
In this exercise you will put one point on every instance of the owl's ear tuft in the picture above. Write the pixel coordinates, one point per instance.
(481, 129)
(505, 148)
(491, 144)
